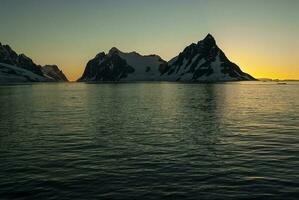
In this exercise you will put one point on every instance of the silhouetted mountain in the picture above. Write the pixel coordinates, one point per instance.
(10, 62)
(54, 73)
(9, 56)
(204, 62)
(118, 66)
(201, 62)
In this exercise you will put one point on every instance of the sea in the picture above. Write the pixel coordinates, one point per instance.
(235, 140)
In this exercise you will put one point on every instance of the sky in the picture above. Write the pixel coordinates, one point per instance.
(261, 36)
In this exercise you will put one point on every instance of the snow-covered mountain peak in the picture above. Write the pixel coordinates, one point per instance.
(203, 61)
(118, 65)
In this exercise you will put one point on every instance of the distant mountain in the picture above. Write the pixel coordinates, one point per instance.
(276, 80)
(53, 72)
(119, 66)
(201, 62)
(12, 64)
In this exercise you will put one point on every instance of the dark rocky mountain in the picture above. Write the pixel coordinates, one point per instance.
(120, 66)
(54, 73)
(104, 67)
(9, 60)
(200, 62)
(204, 62)
(9, 56)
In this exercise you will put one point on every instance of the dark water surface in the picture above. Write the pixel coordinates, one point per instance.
(149, 141)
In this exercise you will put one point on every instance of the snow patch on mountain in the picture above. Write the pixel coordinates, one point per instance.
(14, 74)
(121, 66)
(199, 62)
(203, 62)
(147, 68)
(12, 60)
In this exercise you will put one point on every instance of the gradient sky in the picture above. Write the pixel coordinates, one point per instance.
(261, 36)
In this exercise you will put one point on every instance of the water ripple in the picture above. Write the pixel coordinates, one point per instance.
(149, 141)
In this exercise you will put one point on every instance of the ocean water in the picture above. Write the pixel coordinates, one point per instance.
(149, 141)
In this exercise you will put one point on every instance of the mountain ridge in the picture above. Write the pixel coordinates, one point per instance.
(203, 61)
(9, 60)
(117, 65)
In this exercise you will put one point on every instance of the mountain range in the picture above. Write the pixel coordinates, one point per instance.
(200, 62)
(203, 61)
(20, 68)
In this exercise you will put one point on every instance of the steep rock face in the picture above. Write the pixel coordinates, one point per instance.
(9, 56)
(120, 66)
(204, 62)
(53, 72)
(104, 67)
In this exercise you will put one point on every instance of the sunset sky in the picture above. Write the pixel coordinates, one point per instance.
(261, 36)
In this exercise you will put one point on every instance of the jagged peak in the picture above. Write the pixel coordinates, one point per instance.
(6, 47)
(210, 36)
(114, 50)
(209, 39)
(101, 54)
